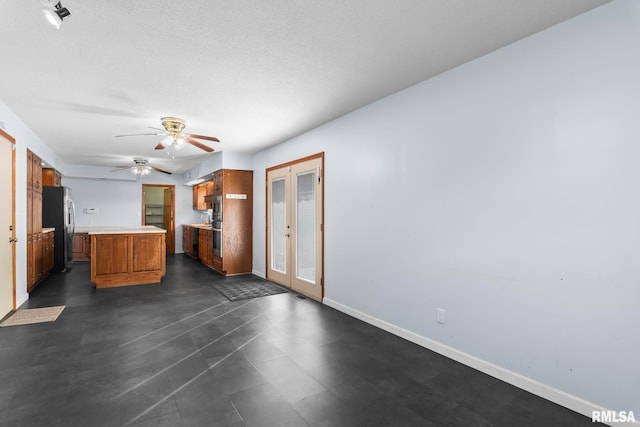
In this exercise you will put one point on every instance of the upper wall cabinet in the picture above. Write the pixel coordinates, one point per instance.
(34, 172)
(51, 178)
(200, 192)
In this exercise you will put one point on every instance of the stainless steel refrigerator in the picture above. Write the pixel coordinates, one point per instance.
(58, 211)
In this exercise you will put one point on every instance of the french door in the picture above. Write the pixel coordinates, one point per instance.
(294, 225)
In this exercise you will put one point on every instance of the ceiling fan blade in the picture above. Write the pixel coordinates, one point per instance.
(160, 170)
(199, 145)
(119, 168)
(208, 138)
(140, 134)
(160, 146)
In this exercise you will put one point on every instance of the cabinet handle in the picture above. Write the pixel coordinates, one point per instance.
(13, 239)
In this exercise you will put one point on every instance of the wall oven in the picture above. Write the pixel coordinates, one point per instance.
(216, 209)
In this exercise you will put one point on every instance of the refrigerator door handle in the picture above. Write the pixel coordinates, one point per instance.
(73, 216)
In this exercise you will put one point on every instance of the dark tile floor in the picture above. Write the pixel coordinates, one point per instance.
(179, 354)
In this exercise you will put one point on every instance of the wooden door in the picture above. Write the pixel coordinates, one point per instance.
(294, 226)
(7, 225)
(169, 211)
(168, 220)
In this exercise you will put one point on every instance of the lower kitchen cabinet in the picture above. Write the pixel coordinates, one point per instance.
(187, 241)
(47, 253)
(205, 246)
(81, 247)
(39, 258)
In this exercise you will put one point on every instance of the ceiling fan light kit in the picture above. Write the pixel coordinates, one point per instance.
(54, 13)
(141, 168)
(175, 139)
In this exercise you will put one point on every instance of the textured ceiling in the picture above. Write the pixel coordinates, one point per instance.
(252, 73)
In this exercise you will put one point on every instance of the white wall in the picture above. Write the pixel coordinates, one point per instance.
(216, 161)
(25, 139)
(505, 192)
(118, 198)
(502, 191)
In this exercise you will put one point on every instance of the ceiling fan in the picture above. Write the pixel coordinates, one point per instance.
(141, 168)
(175, 138)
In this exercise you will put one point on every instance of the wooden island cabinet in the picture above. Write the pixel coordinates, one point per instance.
(81, 246)
(124, 256)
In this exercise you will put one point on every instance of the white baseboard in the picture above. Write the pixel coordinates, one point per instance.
(259, 274)
(545, 391)
(22, 301)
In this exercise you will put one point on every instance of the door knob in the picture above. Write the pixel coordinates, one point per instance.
(13, 239)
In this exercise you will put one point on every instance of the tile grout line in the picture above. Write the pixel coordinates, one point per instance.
(188, 383)
(189, 355)
(171, 324)
(187, 331)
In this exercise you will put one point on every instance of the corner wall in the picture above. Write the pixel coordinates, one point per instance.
(505, 192)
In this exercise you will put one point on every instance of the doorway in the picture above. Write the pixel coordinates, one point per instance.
(295, 217)
(158, 208)
(7, 224)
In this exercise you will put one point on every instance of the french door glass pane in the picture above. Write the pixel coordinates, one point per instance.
(278, 226)
(305, 222)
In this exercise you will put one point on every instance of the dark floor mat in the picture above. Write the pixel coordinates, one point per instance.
(246, 289)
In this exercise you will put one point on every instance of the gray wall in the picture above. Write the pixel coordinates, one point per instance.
(505, 192)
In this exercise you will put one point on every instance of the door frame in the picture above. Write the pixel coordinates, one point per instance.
(320, 156)
(171, 243)
(13, 215)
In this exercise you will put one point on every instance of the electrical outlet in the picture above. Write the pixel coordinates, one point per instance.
(440, 315)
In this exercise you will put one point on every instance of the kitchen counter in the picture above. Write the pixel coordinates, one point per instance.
(203, 226)
(124, 256)
(141, 229)
(48, 230)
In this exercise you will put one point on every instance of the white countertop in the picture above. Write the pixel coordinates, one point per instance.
(48, 230)
(205, 226)
(141, 229)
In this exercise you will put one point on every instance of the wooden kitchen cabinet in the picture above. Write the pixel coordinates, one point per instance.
(236, 189)
(35, 267)
(81, 247)
(34, 172)
(217, 183)
(205, 246)
(51, 178)
(133, 256)
(187, 240)
(200, 191)
(47, 252)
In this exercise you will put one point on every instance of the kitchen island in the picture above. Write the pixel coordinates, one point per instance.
(124, 256)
